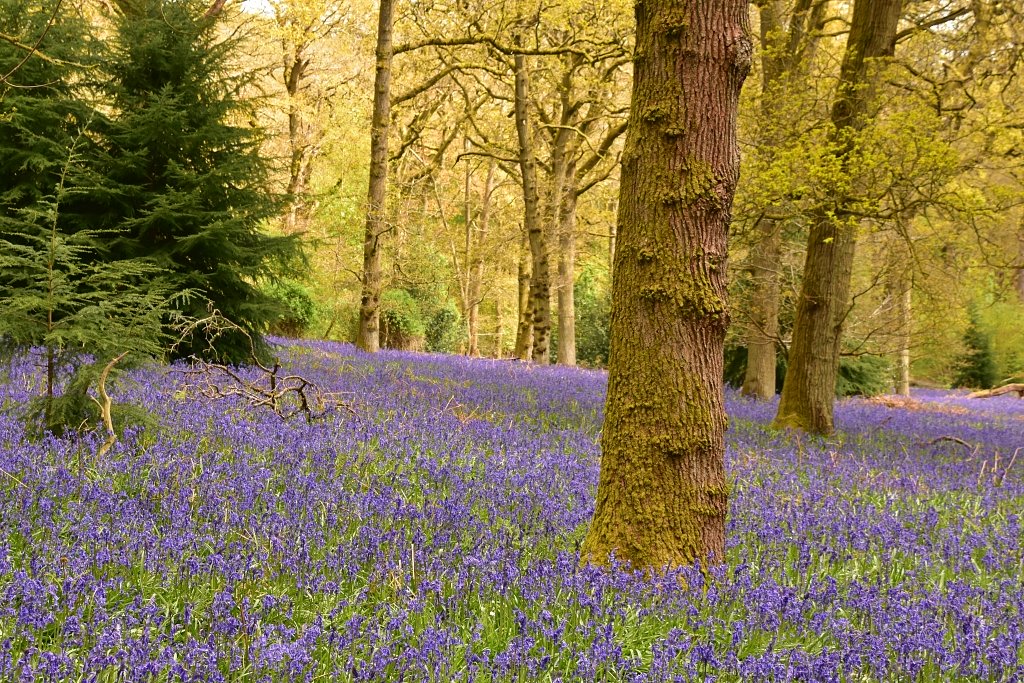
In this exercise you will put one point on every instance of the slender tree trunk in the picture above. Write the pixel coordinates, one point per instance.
(809, 391)
(1019, 276)
(613, 231)
(763, 327)
(540, 278)
(298, 177)
(904, 321)
(662, 495)
(368, 338)
(567, 273)
(524, 331)
(476, 265)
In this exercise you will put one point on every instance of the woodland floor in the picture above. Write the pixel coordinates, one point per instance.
(428, 530)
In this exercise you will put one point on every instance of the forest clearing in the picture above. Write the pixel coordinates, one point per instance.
(511, 341)
(430, 531)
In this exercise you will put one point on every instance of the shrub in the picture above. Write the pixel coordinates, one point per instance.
(296, 306)
(444, 330)
(593, 317)
(401, 321)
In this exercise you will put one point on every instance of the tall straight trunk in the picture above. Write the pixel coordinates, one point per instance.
(567, 271)
(662, 495)
(476, 264)
(563, 172)
(368, 338)
(763, 327)
(298, 173)
(524, 329)
(1018, 280)
(903, 321)
(785, 52)
(540, 278)
(809, 391)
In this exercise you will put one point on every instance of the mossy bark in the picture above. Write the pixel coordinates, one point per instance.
(368, 337)
(662, 495)
(809, 391)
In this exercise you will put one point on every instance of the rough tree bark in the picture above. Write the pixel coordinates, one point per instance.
(540, 277)
(368, 338)
(662, 495)
(809, 391)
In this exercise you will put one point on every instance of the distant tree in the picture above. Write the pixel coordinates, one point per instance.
(662, 496)
(368, 338)
(185, 183)
(976, 368)
(822, 307)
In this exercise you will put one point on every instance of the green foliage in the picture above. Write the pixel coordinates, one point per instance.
(296, 307)
(1003, 323)
(593, 316)
(976, 367)
(184, 181)
(735, 366)
(401, 321)
(863, 375)
(444, 329)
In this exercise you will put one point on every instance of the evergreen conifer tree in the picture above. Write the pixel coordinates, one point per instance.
(976, 368)
(186, 183)
(60, 297)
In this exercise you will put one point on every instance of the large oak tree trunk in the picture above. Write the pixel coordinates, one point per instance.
(809, 391)
(662, 496)
(368, 338)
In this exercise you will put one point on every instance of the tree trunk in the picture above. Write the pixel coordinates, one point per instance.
(298, 176)
(524, 331)
(540, 279)
(785, 52)
(763, 327)
(567, 272)
(368, 338)
(809, 391)
(662, 495)
(903, 321)
(476, 264)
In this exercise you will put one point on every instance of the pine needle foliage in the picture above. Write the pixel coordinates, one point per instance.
(61, 299)
(187, 185)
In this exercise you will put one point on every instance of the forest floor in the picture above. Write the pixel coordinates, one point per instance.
(428, 530)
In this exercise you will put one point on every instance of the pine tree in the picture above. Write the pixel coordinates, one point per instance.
(186, 184)
(976, 368)
(59, 298)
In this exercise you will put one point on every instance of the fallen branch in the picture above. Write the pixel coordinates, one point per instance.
(999, 391)
(216, 381)
(105, 403)
(952, 439)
